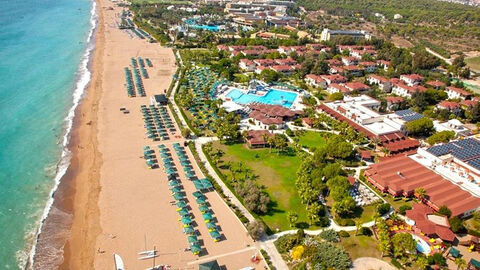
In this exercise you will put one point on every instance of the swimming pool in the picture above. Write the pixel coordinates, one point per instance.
(192, 23)
(422, 245)
(273, 97)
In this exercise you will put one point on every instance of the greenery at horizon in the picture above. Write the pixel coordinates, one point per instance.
(438, 21)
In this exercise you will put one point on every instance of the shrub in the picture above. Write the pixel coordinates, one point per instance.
(366, 231)
(329, 256)
(445, 211)
(383, 208)
(343, 234)
(330, 236)
(403, 209)
(256, 229)
(437, 259)
(323, 222)
(286, 242)
(346, 222)
(456, 224)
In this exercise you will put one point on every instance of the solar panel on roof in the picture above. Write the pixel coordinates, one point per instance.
(408, 115)
(464, 150)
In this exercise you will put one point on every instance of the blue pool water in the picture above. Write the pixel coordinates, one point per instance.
(273, 97)
(192, 24)
(42, 43)
(422, 246)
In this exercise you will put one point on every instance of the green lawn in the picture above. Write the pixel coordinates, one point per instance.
(311, 139)
(360, 246)
(473, 63)
(362, 214)
(277, 173)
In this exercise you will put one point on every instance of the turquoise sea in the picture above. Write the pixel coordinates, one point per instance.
(42, 43)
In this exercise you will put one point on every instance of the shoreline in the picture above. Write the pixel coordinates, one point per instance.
(57, 222)
(108, 184)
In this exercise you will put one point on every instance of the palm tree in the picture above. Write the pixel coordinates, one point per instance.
(421, 193)
(461, 263)
(358, 226)
(376, 216)
(292, 218)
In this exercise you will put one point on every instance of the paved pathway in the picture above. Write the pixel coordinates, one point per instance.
(371, 263)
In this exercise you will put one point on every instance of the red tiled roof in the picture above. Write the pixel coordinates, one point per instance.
(273, 110)
(255, 137)
(334, 78)
(394, 100)
(414, 77)
(420, 213)
(351, 180)
(450, 105)
(281, 68)
(435, 83)
(357, 86)
(334, 62)
(340, 88)
(461, 91)
(246, 61)
(314, 77)
(367, 63)
(379, 78)
(402, 175)
(469, 103)
(365, 154)
(264, 62)
(287, 61)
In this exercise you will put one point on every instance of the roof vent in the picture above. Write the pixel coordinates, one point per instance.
(401, 175)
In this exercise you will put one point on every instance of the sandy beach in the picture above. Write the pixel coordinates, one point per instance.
(119, 205)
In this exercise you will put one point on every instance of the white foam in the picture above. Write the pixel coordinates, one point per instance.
(83, 79)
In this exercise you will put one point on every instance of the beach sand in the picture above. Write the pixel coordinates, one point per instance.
(119, 205)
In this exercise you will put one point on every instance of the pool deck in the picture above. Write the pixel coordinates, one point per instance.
(295, 105)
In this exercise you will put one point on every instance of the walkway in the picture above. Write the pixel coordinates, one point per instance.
(371, 263)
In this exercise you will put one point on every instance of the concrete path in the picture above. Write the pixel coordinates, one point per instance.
(367, 263)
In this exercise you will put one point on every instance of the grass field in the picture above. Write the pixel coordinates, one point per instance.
(473, 63)
(277, 173)
(360, 246)
(311, 139)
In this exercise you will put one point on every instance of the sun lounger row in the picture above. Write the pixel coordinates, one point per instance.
(137, 33)
(178, 194)
(149, 63)
(156, 123)
(138, 82)
(142, 68)
(129, 82)
(150, 158)
(143, 33)
(200, 198)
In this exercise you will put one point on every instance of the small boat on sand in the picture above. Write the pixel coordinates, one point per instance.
(147, 252)
(118, 262)
(148, 256)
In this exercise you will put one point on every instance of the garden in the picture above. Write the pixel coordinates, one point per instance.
(273, 171)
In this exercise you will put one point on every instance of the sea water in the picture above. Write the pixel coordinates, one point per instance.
(43, 44)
